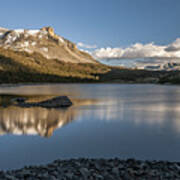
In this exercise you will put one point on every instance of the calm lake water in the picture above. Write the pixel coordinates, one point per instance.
(106, 120)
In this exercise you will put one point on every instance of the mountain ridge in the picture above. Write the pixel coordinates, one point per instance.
(45, 42)
(41, 56)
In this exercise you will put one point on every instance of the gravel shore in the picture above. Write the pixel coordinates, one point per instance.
(97, 169)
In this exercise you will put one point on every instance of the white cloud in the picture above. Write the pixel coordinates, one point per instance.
(139, 50)
(87, 46)
(175, 46)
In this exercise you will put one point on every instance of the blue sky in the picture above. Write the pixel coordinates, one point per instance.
(109, 24)
(103, 22)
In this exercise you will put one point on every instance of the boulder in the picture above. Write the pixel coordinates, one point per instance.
(18, 100)
(56, 102)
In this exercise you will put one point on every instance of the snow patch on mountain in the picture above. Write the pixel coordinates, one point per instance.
(44, 49)
(26, 43)
(1, 35)
(19, 31)
(33, 43)
(61, 39)
(33, 32)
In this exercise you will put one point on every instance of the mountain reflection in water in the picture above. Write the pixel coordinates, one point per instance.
(36, 121)
(105, 121)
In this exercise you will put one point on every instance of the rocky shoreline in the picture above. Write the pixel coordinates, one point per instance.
(97, 169)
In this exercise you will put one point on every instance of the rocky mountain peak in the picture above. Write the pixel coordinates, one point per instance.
(45, 42)
(49, 29)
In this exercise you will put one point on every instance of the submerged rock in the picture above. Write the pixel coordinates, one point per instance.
(56, 102)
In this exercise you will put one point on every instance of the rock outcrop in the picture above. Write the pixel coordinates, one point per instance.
(56, 102)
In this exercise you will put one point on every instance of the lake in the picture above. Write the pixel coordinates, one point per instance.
(105, 121)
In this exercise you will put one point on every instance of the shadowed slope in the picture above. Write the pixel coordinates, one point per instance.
(24, 67)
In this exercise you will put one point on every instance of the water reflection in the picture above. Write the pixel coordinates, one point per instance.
(153, 112)
(35, 121)
(43, 122)
(138, 121)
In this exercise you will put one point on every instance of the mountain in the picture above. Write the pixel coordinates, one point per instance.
(37, 56)
(45, 42)
(43, 56)
(169, 66)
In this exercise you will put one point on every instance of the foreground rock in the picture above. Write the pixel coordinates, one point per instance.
(60, 101)
(98, 169)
